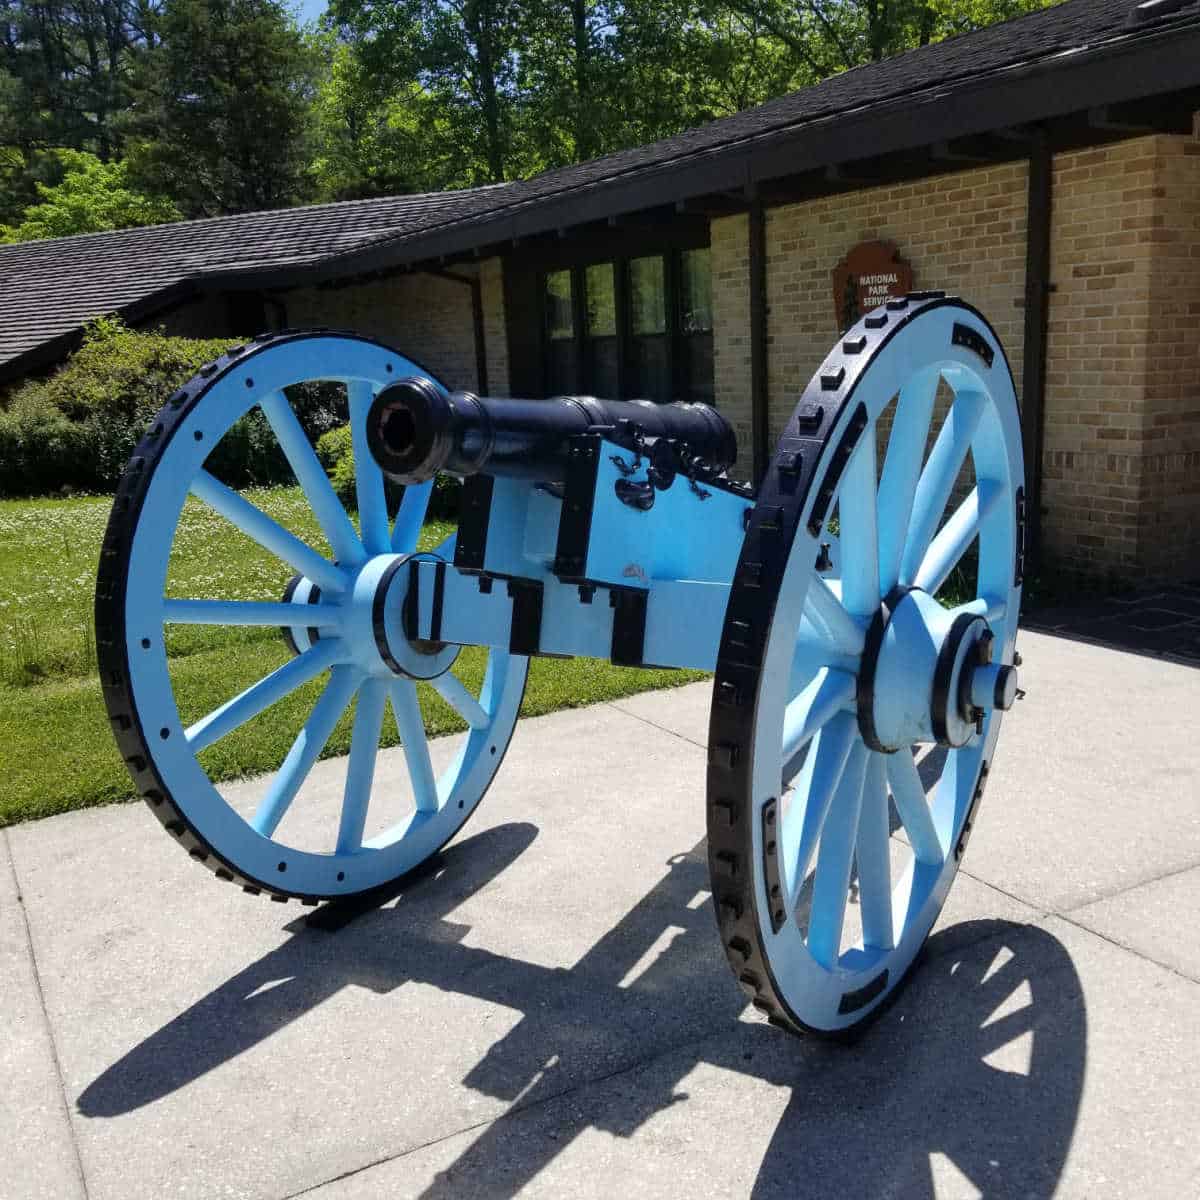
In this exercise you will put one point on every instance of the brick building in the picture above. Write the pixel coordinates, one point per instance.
(1047, 170)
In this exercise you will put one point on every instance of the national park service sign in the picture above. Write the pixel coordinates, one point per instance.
(870, 274)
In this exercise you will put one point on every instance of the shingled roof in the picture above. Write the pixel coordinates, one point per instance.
(50, 288)
(1080, 54)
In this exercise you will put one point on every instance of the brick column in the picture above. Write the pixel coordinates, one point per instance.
(731, 331)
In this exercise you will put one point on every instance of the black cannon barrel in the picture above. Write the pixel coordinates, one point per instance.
(414, 430)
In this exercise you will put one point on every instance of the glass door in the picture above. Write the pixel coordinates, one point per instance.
(600, 332)
(562, 356)
(650, 345)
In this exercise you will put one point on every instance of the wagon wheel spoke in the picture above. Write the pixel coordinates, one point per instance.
(318, 491)
(956, 535)
(269, 534)
(939, 475)
(305, 750)
(455, 693)
(859, 533)
(955, 791)
(873, 856)
(902, 468)
(360, 767)
(260, 696)
(913, 808)
(992, 609)
(821, 700)
(247, 612)
(804, 820)
(835, 856)
(411, 727)
(828, 616)
(368, 478)
(411, 517)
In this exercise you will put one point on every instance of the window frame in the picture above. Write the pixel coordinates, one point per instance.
(679, 368)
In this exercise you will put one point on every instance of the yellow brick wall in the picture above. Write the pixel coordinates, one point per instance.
(1169, 519)
(423, 316)
(963, 232)
(1121, 463)
(1099, 320)
(1120, 494)
(730, 265)
(495, 336)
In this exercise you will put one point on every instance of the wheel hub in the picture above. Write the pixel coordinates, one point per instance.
(928, 676)
(375, 617)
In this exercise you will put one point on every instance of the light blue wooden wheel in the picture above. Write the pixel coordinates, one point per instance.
(855, 711)
(343, 616)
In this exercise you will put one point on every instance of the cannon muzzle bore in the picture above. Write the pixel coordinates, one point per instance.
(414, 430)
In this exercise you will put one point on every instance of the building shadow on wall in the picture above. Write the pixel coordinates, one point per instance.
(977, 1069)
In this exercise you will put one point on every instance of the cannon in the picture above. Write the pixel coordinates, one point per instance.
(857, 610)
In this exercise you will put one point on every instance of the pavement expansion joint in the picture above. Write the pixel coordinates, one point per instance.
(1132, 950)
(1126, 888)
(655, 725)
(1042, 915)
(47, 1024)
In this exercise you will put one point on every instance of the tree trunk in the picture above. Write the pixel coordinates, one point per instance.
(479, 18)
(584, 143)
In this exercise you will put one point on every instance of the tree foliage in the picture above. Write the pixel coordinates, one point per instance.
(226, 106)
(221, 113)
(91, 196)
(66, 62)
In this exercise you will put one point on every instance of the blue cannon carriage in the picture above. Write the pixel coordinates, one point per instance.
(854, 699)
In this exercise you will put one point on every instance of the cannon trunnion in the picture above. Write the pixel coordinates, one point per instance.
(858, 612)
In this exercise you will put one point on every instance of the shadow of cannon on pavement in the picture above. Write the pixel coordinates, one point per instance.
(976, 1071)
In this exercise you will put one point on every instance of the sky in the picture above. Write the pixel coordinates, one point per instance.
(310, 10)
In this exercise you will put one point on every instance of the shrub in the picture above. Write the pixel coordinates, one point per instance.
(336, 453)
(76, 429)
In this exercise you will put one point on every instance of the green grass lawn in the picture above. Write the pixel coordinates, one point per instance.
(55, 744)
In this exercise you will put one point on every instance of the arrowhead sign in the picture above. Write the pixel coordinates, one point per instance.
(870, 274)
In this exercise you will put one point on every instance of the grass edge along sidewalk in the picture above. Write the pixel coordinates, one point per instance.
(56, 749)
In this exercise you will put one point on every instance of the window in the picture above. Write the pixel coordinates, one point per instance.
(630, 327)
(650, 348)
(562, 357)
(696, 325)
(600, 350)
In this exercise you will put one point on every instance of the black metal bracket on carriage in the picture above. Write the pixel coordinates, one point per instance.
(669, 459)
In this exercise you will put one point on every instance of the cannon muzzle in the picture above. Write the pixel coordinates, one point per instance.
(414, 430)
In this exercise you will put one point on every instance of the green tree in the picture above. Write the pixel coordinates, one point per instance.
(834, 35)
(463, 56)
(92, 196)
(68, 61)
(514, 88)
(376, 138)
(221, 120)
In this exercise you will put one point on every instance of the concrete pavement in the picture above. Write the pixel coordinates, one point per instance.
(550, 1014)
